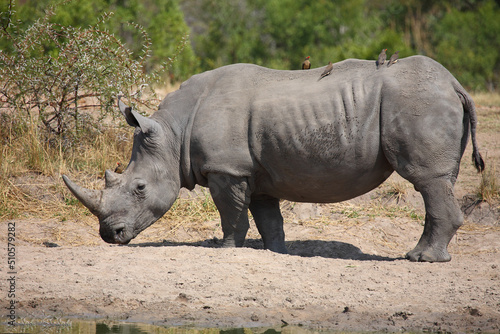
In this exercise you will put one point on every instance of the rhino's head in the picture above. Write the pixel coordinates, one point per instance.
(134, 200)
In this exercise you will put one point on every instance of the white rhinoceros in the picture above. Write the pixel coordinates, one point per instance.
(254, 135)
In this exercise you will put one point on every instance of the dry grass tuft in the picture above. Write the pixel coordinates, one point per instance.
(398, 190)
(489, 187)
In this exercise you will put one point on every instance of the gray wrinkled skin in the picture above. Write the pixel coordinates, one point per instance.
(253, 135)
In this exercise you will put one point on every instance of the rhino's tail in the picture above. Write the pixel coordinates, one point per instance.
(470, 108)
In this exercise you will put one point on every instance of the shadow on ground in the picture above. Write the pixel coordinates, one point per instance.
(303, 248)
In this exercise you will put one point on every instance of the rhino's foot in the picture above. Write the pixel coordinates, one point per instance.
(428, 255)
(278, 247)
(232, 243)
(228, 244)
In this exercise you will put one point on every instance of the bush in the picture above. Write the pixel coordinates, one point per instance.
(59, 76)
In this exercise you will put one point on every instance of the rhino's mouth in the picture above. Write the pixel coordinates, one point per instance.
(115, 234)
(121, 236)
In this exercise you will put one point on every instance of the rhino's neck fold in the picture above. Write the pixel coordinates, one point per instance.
(188, 179)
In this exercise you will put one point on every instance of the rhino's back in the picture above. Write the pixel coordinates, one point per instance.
(294, 136)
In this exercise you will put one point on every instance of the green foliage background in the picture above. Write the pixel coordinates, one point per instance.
(463, 35)
(161, 19)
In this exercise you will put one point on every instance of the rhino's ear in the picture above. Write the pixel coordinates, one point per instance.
(135, 119)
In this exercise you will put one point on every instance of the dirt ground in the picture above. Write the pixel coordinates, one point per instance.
(345, 270)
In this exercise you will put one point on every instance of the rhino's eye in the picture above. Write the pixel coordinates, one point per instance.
(139, 187)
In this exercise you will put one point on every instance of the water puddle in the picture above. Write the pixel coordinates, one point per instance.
(59, 326)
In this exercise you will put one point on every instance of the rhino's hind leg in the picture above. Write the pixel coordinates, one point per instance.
(267, 215)
(423, 140)
(442, 219)
(231, 195)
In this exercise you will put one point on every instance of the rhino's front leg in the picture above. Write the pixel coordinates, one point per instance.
(231, 195)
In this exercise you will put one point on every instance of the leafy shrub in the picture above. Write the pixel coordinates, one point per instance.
(59, 76)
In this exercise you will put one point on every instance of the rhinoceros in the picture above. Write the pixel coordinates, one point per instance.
(254, 135)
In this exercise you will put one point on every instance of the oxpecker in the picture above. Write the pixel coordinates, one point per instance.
(306, 64)
(381, 58)
(119, 168)
(327, 70)
(394, 58)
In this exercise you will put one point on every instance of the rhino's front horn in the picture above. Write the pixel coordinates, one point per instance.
(90, 198)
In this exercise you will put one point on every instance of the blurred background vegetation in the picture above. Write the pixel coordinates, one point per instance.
(463, 35)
